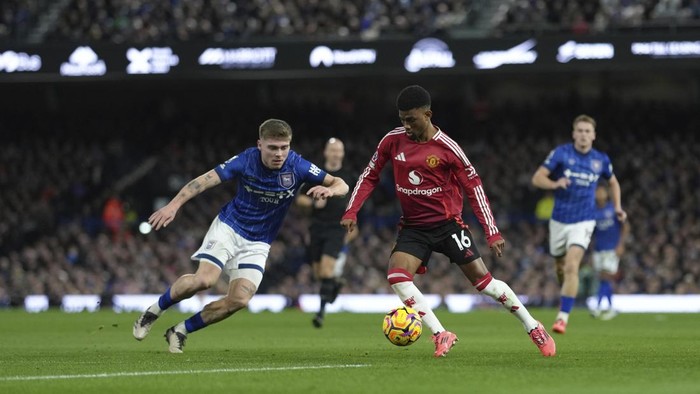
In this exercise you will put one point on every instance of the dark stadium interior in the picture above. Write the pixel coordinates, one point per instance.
(67, 148)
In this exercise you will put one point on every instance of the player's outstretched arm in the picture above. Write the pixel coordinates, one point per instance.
(366, 183)
(616, 196)
(332, 186)
(165, 215)
(624, 233)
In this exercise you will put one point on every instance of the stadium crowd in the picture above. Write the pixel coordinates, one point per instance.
(163, 21)
(19, 17)
(73, 190)
(140, 21)
(591, 17)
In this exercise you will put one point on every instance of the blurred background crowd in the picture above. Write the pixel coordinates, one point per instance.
(74, 191)
(83, 164)
(139, 21)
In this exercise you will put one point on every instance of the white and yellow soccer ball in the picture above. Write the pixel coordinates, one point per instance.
(402, 326)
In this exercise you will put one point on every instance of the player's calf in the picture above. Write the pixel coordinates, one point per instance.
(327, 290)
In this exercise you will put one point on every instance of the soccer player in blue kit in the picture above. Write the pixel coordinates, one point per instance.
(238, 240)
(608, 245)
(572, 170)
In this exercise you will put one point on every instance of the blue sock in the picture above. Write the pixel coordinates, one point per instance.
(606, 290)
(601, 291)
(567, 303)
(165, 302)
(195, 323)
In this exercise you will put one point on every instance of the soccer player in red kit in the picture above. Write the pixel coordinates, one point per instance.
(431, 173)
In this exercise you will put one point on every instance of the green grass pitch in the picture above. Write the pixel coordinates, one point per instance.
(55, 352)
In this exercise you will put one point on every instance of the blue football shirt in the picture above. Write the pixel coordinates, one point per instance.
(264, 195)
(577, 202)
(607, 228)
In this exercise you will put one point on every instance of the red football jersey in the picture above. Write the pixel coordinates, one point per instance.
(430, 177)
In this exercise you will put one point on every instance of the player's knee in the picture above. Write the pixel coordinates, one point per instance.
(325, 269)
(397, 276)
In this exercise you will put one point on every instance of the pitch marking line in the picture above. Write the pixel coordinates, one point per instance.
(155, 373)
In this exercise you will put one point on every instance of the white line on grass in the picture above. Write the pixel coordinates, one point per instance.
(152, 373)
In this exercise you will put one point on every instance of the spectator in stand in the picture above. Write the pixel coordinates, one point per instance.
(113, 216)
(584, 17)
(197, 20)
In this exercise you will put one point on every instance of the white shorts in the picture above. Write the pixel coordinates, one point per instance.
(606, 261)
(235, 255)
(562, 236)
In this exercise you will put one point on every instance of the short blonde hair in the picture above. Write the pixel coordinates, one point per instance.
(584, 118)
(275, 128)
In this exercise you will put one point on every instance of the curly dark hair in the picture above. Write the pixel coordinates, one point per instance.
(411, 97)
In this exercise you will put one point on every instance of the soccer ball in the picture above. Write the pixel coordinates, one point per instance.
(402, 326)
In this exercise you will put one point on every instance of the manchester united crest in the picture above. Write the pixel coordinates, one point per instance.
(433, 161)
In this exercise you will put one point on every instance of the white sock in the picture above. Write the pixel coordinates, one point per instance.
(155, 308)
(340, 264)
(180, 327)
(411, 296)
(503, 294)
(563, 316)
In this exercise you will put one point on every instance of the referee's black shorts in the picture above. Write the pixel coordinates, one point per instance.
(326, 240)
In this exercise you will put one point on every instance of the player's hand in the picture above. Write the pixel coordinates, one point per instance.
(351, 235)
(349, 224)
(621, 215)
(163, 217)
(319, 192)
(497, 247)
(562, 183)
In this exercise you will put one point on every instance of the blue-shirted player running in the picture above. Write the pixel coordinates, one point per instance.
(572, 170)
(608, 245)
(238, 240)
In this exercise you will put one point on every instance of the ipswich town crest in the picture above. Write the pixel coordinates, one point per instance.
(286, 180)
